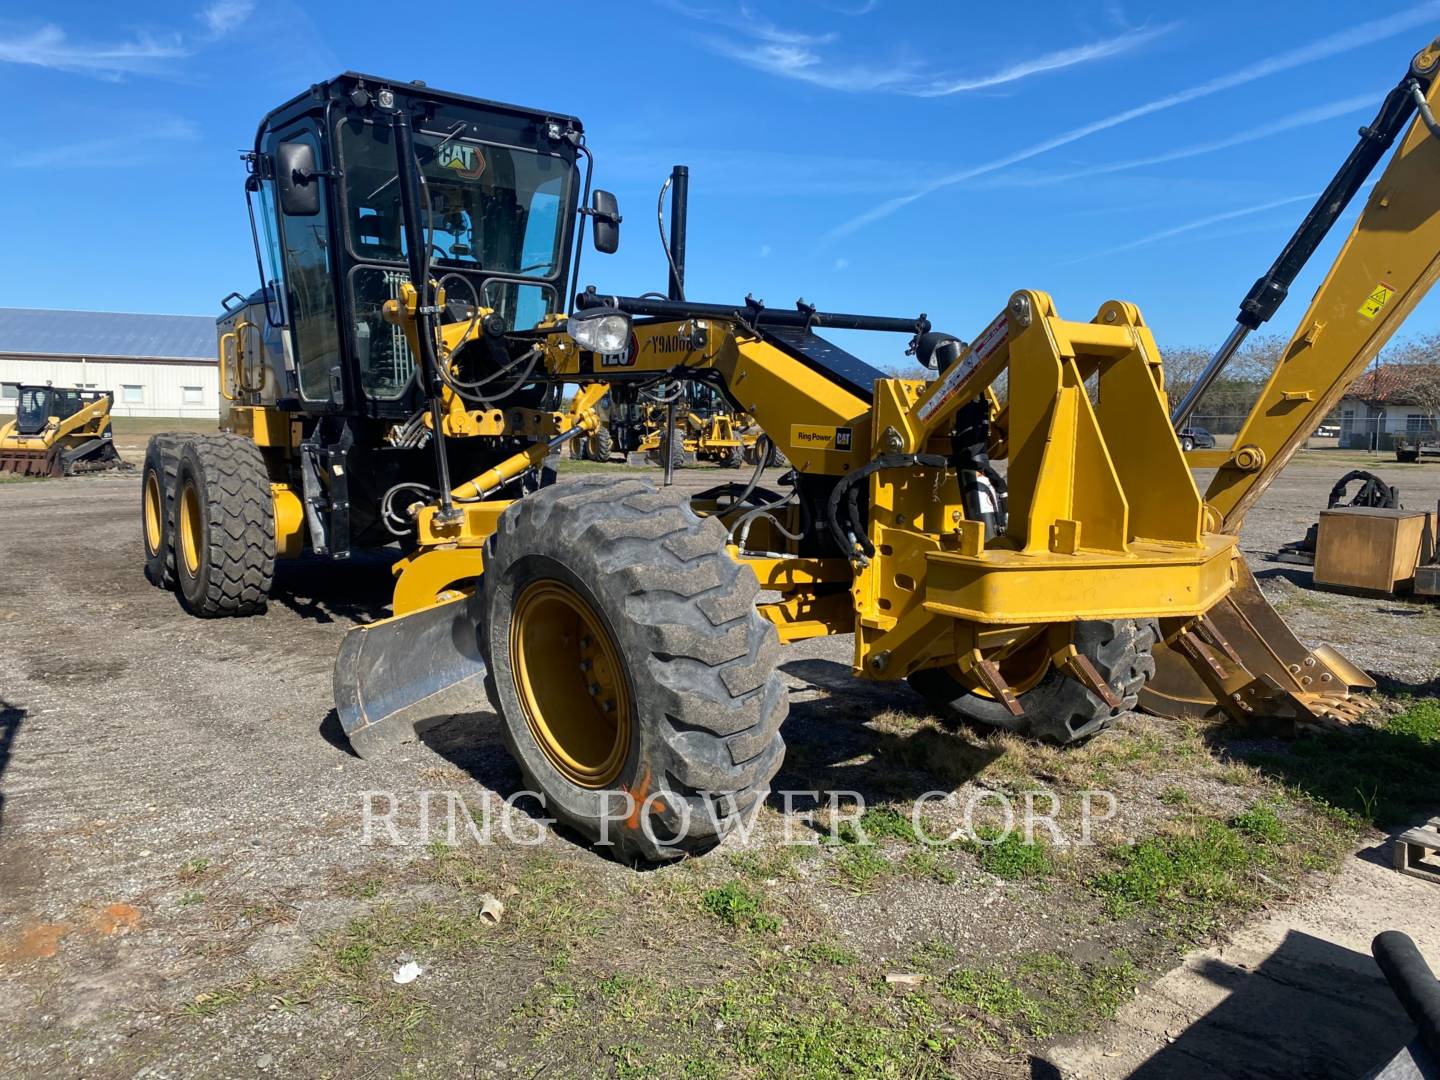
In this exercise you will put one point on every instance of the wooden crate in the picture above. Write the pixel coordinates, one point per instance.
(1360, 547)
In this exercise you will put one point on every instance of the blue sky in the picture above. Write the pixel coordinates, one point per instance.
(868, 155)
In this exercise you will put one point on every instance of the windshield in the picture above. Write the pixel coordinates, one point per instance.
(492, 208)
(33, 410)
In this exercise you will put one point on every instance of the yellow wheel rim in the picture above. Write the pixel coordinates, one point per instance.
(571, 684)
(1023, 668)
(190, 528)
(153, 514)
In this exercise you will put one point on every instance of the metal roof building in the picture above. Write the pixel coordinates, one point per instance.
(156, 365)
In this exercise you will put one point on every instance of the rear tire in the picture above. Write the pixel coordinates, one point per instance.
(677, 453)
(625, 657)
(158, 484)
(599, 445)
(734, 457)
(224, 527)
(1058, 709)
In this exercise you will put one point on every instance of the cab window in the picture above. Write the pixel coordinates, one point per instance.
(310, 293)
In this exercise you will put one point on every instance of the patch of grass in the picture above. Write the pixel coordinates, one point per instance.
(824, 1033)
(735, 905)
(572, 466)
(211, 1002)
(626, 997)
(365, 889)
(1175, 796)
(1421, 721)
(879, 823)
(192, 869)
(1010, 857)
(1043, 995)
(827, 952)
(991, 992)
(1190, 876)
(1383, 774)
(766, 864)
(1261, 823)
(859, 867)
(192, 898)
(925, 865)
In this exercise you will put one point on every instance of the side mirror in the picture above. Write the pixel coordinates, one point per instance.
(296, 180)
(605, 212)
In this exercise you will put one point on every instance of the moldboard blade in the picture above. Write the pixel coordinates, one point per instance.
(392, 674)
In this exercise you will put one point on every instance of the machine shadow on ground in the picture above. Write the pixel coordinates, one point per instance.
(832, 743)
(353, 590)
(1338, 1016)
(1384, 777)
(10, 719)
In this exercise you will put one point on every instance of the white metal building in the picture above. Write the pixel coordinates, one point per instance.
(156, 365)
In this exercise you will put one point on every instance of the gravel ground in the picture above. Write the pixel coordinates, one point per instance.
(148, 758)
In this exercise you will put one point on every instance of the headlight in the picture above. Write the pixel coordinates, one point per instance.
(601, 330)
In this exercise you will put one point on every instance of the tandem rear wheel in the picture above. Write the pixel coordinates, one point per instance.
(208, 522)
(1057, 708)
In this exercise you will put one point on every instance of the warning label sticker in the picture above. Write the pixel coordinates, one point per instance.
(990, 339)
(1376, 301)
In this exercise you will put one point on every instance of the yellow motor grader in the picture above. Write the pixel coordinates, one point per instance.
(703, 429)
(399, 375)
(59, 431)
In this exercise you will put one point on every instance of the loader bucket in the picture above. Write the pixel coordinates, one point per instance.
(1241, 657)
(31, 462)
(396, 673)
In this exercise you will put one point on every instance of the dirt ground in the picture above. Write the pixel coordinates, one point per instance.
(186, 887)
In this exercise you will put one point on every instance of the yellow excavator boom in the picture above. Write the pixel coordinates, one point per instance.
(1243, 656)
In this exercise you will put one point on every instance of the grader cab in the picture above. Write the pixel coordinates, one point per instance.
(1016, 531)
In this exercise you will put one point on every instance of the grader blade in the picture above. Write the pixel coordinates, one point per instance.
(397, 673)
(1241, 657)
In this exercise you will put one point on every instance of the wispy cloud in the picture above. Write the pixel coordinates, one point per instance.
(108, 151)
(1303, 118)
(1332, 45)
(1198, 223)
(142, 54)
(49, 47)
(806, 57)
(222, 16)
(1051, 61)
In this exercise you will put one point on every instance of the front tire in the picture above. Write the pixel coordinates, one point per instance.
(224, 527)
(635, 681)
(1058, 709)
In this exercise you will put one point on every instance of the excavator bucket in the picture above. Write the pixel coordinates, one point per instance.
(393, 675)
(31, 462)
(1242, 658)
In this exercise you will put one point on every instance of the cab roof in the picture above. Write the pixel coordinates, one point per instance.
(340, 85)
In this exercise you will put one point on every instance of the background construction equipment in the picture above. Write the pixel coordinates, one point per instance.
(59, 431)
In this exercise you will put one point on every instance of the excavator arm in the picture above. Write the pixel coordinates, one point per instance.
(1242, 655)
(1388, 264)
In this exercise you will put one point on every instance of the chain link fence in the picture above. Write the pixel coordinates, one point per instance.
(1377, 434)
